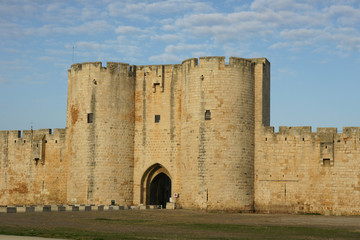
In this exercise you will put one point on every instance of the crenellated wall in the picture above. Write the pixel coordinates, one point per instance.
(197, 132)
(32, 167)
(299, 171)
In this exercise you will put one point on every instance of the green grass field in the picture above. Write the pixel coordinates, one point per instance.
(162, 224)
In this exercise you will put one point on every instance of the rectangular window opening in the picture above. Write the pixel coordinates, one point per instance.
(90, 117)
(157, 118)
(207, 115)
(326, 162)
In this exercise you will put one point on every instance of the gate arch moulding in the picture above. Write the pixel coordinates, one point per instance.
(155, 174)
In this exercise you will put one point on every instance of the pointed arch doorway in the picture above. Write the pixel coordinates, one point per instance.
(155, 186)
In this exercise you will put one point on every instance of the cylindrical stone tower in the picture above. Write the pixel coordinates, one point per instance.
(100, 133)
(217, 140)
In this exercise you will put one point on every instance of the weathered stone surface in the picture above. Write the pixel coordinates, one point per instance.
(197, 132)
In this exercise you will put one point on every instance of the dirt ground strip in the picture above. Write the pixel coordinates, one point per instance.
(167, 221)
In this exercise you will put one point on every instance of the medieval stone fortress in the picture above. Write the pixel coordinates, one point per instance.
(194, 134)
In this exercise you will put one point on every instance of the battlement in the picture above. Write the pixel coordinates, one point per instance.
(87, 66)
(220, 63)
(111, 67)
(260, 60)
(212, 62)
(321, 132)
(194, 130)
(28, 135)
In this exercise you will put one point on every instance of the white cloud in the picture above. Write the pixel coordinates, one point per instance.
(127, 30)
(279, 5)
(141, 9)
(167, 37)
(92, 46)
(166, 58)
(299, 34)
(233, 50)
(238, 25)
(343, 14)
(112, 50)
(11, 30)
(180, 48)
(91, 28)
(179, 52)
(47, 59)
(292, 24)
(347, 39)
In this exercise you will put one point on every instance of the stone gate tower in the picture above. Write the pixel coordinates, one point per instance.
(197, 132)
(140, 134)
(220, 111)
(100, 133)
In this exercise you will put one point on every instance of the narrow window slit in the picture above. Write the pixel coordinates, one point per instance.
(90, 117)
(207, 115)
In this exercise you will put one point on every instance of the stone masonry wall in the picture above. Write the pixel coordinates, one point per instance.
(217, 154)
(100, 133)
(203, 123)
(32, 167)
(157, 143)
(299, 171)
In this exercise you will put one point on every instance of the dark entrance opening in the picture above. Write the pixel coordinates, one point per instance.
(160, 190)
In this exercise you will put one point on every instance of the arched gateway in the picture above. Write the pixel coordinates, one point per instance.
(155, 186)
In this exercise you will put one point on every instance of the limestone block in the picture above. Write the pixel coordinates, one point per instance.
(170, 205)
(39, 208)
(111, 208)
(68, 208)
(20, 209)
(54, 208)
(155, 206)
(3, 209)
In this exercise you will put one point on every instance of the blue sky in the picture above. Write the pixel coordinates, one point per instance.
(313, 47)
